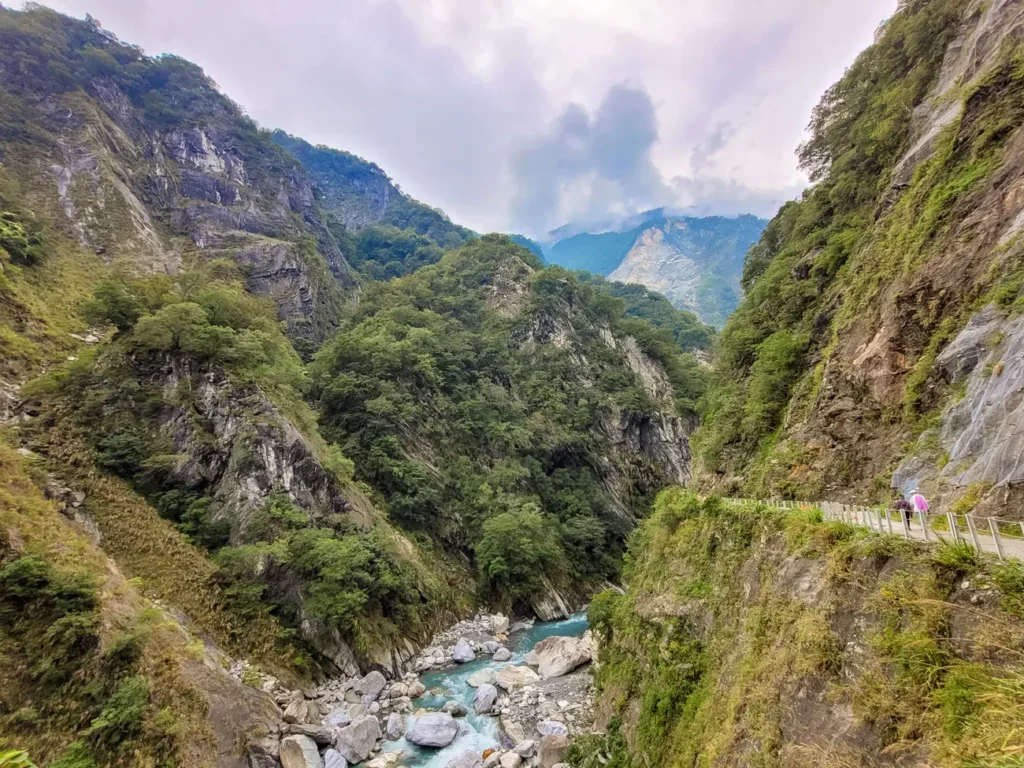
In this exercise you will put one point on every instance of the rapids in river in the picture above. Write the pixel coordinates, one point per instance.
(477, 732)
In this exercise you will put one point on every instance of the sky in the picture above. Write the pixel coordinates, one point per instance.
(522, 115)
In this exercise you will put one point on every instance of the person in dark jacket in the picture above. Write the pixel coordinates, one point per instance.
(904, 506)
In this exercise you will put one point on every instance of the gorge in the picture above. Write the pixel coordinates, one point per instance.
(296, 472)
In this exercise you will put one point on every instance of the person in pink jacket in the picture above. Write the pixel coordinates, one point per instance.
(918, 501)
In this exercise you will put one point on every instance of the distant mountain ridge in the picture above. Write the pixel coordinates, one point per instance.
(360, 194)
(697, 262)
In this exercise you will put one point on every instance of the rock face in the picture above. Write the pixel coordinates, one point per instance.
(483, 700)
(556, 656)
(300, 752)
(695, 263)
(433, 729)
(981, 438)
(356, 741)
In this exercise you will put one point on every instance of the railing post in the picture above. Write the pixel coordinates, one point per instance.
(924, 525)
(906, 524)
(995, 535)
(888, 520)
(952, 526)
(974, 532)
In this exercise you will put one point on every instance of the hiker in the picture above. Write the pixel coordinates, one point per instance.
(918, 502)
(905, 508)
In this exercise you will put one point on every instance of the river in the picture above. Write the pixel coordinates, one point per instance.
(476, 732)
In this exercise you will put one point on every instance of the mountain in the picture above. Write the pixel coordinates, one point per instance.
(359, 194)
(876, 347)
(695, 262)
(253, 437)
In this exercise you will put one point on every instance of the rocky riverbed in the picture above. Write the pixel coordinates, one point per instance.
(486, 693)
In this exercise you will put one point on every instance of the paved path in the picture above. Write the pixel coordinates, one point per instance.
(1002, 538)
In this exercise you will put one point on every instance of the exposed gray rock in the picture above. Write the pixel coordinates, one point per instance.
(300, 752)
(553, 750)
(333, 759)
(339, 718)
(516, 677)
(484, 699)
(396, 726)
(510, 760)
(555, 656)
(502, 654)
(416, 689)
(433, 729)
(499, 624)
(526, 748)
(482, 676)
(982, 433)
(318, 733)
(463, 652)
(467, 759)
(371, 685)
(355, 742)
(491, 646)
(552, 728)
(455, 709)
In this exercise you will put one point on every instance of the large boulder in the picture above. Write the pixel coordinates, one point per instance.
(463, 652)
(416, 688)
(481, 676)
(502, 654)
(371, 685)
(511, 678)
(499, 624)
(355, 742)
(333, 759)
(396, 726)
(552, 728)
(511, 760)
(301, 711)
(433, 729)
(556, 656)
(553, 750)
(484, 699)
(300, 752)
(467, 759)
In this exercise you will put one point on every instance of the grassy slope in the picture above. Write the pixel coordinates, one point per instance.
(752, 637)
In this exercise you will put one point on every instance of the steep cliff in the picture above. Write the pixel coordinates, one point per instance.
(695, 263)
(359, 194)
(484, 393)
(875, 305)
(144, 162)
(751, 637)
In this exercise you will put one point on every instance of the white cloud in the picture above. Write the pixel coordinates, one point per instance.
(448, 95)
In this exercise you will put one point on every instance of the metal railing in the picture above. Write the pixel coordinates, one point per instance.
(1004, 538)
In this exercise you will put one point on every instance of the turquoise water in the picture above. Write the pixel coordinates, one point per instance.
(477, 732)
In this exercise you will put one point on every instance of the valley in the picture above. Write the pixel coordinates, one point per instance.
(298, 472)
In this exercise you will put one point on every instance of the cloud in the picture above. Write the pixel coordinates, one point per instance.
(604, 106)
(586, 166)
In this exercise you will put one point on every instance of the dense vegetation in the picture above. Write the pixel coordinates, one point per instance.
(202, 321)
(356, 190)
(821, 259)
(687, 329)
(720, 654)
(465, 424)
